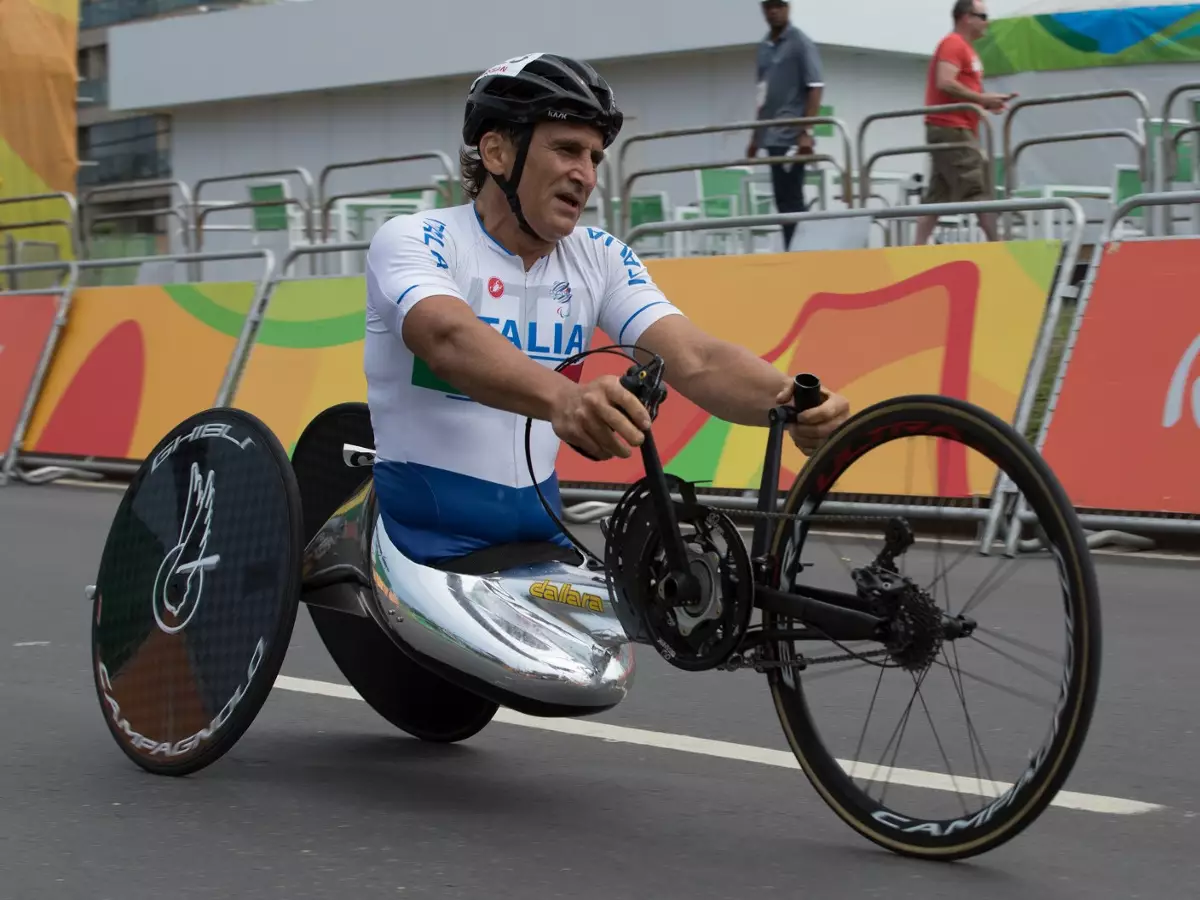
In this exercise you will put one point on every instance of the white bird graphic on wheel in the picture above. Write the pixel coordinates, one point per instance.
(166, 583)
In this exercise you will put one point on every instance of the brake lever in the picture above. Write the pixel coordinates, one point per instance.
(645, 383)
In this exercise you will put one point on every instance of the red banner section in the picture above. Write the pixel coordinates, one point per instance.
(1126, 431)
(25, 325)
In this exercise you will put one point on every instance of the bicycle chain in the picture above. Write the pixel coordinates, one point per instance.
(761, 665)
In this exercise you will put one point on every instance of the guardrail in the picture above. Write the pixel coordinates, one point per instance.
(183, 212)
(865, 173)
(1012, 153)
(325, 203)
(306, 204)
(625, 183)
(71, 224)
(64, 292)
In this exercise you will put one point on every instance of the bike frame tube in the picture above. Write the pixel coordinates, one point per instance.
(65, 292)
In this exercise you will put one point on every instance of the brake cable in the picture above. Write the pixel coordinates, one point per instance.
(567, 363)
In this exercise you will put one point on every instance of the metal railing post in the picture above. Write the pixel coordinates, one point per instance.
(865, 165)
(71, 223)
(624, 183)
(1010, 153)
(64, 292)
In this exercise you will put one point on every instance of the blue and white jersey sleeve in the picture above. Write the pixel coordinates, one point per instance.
(631, 301)
(410, 258)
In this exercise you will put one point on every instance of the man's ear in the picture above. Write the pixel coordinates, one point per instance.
(496, 151)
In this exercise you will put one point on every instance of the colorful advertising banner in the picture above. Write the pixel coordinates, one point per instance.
(1125, 434)
(25, 325)
(958, 320)
(1090, 38)
(38, 94)
(308, 354)
(132, 362)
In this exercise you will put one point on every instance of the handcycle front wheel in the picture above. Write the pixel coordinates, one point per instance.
(954, 451)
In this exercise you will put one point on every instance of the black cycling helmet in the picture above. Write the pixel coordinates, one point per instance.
(533, 88)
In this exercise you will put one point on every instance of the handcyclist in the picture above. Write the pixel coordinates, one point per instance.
(470, 309)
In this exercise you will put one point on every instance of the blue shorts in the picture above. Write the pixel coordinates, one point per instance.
(431, 514)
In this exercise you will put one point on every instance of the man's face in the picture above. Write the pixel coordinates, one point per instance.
(977, 22)
(559, 176)
(776, 14)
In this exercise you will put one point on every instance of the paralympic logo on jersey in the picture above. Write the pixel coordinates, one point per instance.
(561, 294)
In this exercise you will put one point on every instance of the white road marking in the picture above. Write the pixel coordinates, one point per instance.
(747, 753)
(32, 644)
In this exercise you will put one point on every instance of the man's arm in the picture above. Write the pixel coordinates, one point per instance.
(724, 379)
(479, 361)
(732, 384)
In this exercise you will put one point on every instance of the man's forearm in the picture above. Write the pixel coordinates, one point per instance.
(734, 385)
(954, 89)
(482, 364)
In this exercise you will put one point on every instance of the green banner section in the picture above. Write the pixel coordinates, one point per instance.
(1098, 38)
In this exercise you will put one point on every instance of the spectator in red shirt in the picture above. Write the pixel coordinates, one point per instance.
(960, 174)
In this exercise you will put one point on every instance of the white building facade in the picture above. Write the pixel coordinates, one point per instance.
(317, 82)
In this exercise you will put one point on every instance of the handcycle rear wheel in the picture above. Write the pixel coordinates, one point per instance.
(1005, 807)
(400, 690)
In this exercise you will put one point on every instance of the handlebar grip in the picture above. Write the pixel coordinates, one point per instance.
(806, 392)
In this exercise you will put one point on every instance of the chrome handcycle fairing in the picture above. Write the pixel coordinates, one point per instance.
(540, 638)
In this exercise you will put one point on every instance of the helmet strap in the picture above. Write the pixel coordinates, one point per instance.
(509, 185)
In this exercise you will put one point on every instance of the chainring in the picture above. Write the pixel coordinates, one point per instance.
(698, 637)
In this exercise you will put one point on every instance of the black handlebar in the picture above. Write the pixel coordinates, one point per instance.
(806, 392)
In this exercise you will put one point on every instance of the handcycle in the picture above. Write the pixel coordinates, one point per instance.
(220, 536)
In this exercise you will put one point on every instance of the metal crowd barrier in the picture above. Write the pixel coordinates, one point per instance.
(325, 203)
(64, 292)
(71, 223)
(865, 167)
(1011, 153)
(1167, 166)
(306, 204)
(626, 182)
(184, 212)
(989, 518)
(49, 468)
(1149, 522)
(276, 275)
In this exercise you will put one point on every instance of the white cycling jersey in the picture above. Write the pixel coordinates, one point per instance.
(451, 474)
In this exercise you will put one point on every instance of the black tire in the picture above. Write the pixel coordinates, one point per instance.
(153, 680)
(406, 694)
(409, 696)
(1028, 798)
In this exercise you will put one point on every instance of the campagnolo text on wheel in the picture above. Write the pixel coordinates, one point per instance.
(936, 701)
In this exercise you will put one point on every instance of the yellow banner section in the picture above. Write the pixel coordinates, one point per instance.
(954, 320)
(133, 362)
(38, 90)
(958, 320)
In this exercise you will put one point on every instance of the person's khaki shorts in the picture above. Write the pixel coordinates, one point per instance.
(959, 175)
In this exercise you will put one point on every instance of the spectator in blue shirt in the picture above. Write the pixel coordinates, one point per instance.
(789, 87)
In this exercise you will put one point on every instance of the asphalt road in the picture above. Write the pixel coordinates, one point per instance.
(322, 798)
